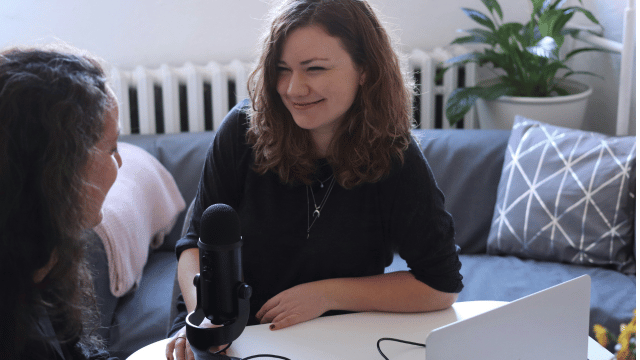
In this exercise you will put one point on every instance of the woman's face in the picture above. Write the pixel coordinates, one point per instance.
(103, 165)
(317, 81)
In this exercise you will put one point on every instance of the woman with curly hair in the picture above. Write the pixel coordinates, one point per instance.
(326, 178)
(58, 159)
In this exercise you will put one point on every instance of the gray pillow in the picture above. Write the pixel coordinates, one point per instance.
(565, 195)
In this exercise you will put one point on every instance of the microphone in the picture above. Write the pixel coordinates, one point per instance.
(222, 295)
(220, 263)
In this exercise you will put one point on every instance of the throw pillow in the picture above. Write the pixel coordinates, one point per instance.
(140, 208)
(565, 195)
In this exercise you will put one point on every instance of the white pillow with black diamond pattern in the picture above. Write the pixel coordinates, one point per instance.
(565, 195)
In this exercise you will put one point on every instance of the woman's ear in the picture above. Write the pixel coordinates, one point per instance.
(41, 273)
(363, 77)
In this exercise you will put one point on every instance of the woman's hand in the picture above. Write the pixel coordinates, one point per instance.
(293, 306)
(181, 345)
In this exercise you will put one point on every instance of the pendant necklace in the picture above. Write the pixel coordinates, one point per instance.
(318, 208)
(324, 181)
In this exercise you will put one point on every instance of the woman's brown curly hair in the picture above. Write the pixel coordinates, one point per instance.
(376, 129)
(52, 107)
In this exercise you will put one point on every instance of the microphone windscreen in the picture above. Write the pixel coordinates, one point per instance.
(219, 225)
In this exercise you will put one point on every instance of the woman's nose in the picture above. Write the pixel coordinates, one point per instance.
(297, 85)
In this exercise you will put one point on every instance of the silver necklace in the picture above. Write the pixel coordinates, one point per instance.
(318, 208)
(324, 181)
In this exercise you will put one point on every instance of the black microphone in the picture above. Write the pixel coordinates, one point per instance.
(220, 263)
(222, 295)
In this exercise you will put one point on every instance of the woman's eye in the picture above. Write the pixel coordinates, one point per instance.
(281, 68)
(316, 68)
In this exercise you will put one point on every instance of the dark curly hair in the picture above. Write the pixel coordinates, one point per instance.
(52, 108)
(376, 129)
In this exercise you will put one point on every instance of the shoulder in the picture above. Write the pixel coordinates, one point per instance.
(232, 132)
(413, 162)
(236, 121)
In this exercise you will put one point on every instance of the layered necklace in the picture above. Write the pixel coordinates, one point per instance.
(318, 207)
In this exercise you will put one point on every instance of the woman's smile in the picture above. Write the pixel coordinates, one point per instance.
(306, 105)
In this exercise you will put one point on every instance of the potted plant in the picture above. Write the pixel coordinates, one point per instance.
(528, 63)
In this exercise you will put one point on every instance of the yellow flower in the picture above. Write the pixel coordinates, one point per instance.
(624, 354)
(602, 335)
(627, 332)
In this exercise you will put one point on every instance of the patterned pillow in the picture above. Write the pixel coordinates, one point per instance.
(565, 195)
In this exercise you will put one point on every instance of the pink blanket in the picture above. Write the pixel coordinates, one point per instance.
(141, 207)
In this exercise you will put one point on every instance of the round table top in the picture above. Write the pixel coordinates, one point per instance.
(317, 333)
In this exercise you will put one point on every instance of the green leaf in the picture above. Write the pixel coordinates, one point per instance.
(537, 5)
(460, 102)
(495, 91)
(467, 40)
(463, 59)
(479, 17)
(577, 51)
(558, 4)
(493, 5)
(571, 73)
(586, 12)
(572, 32)
(560, 91)
(561, 22)
(548, 20)
(509, 37)
(478, 36)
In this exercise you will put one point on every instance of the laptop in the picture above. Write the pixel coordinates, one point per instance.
(550, 324)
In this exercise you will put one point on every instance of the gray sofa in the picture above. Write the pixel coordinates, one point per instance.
(467, 165)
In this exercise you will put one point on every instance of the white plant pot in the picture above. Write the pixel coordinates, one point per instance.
(567, 111)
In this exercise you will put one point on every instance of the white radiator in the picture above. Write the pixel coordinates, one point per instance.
(431, 99)
(195, 98)
(177, 99)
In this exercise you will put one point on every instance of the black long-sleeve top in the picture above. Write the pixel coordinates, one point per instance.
(355, 236)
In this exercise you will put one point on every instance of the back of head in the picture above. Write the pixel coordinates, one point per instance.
(52, 106)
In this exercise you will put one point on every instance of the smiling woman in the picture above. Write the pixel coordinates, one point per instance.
(329, 105)
(317, 82)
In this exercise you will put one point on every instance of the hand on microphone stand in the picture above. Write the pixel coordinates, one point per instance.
(181, 345)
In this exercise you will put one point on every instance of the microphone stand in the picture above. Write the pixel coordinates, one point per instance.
(201, 339)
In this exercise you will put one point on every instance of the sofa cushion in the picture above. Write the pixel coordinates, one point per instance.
(565, 195)
(467, 166)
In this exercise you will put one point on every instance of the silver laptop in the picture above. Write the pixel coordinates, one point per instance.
(550, 324)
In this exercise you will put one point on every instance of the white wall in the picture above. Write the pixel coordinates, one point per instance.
(150, 32)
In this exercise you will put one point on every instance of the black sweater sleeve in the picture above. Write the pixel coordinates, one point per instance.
(420, 227)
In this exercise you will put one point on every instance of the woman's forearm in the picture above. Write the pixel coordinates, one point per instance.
(393, 292)
(188, 267)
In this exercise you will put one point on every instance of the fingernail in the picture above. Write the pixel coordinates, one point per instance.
(272, 327)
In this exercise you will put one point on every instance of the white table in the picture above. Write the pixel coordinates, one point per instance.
(351, 336)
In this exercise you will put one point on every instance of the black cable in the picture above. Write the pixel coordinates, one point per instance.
(285, 358)
(398, 340)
